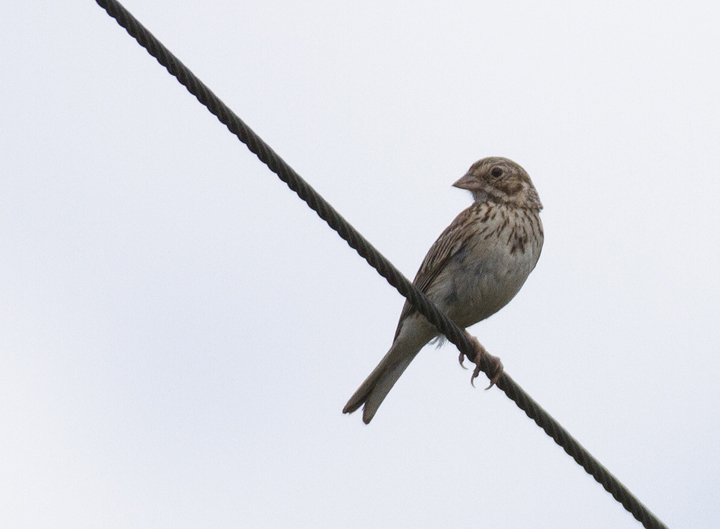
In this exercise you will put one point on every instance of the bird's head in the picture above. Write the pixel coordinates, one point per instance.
(498, 179)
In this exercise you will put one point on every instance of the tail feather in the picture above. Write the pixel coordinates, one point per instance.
(383, 387)
(376, 387)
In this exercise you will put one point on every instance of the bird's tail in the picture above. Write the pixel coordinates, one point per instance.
(376, 387)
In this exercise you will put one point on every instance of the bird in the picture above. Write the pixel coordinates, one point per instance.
(476, 266)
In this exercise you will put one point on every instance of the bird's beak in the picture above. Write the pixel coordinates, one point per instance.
(469, 182)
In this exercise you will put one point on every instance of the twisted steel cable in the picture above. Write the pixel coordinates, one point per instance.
(384, 267)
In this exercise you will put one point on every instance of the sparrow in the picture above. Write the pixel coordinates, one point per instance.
(476, 266)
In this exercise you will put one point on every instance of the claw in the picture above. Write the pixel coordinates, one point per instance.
(497, 371)
(461, 359)
(481, 352)
(475, 374)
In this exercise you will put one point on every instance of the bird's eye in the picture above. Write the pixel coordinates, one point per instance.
(496, 172)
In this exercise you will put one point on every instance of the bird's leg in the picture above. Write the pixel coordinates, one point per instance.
(480, 352)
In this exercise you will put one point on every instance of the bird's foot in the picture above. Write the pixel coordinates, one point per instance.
(480, 352)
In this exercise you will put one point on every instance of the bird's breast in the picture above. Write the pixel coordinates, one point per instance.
(489, 270)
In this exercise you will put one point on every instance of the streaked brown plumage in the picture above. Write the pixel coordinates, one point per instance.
(475, 268)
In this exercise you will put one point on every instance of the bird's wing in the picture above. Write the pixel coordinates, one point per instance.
(450, 242)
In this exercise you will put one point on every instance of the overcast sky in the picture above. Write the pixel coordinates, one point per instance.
(179, 332)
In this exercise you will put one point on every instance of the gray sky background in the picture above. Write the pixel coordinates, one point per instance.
(179, 333)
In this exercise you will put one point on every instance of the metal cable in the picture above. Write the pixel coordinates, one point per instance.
(386, 269)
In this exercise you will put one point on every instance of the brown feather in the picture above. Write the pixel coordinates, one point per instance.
(450, 242)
